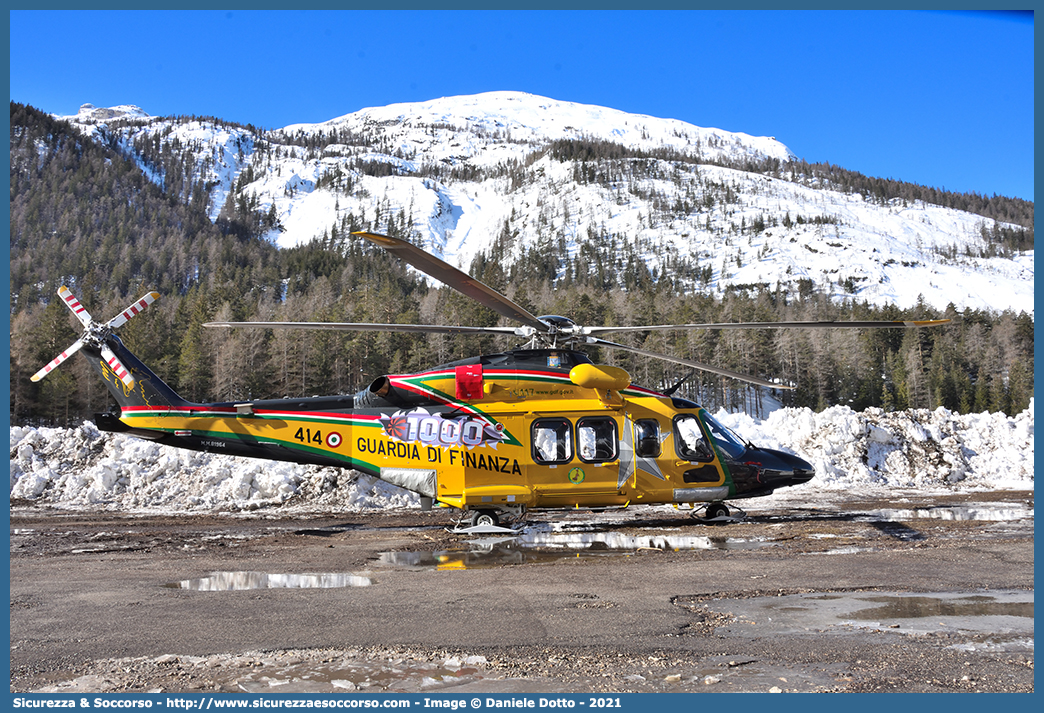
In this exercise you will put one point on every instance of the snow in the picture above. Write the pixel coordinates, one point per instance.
(221, 151)
(520, 118)
(916, 448)
(89, 113)
(869, 452)
(82, 468)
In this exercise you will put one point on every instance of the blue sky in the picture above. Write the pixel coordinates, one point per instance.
(941, 99)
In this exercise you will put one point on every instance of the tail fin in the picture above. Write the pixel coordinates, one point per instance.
(147, 391)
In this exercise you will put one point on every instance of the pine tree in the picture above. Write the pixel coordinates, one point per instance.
(195, 364)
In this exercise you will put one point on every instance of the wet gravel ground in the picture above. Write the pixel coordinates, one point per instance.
(911, 593)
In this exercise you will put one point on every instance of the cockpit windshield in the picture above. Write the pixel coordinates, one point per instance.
(723, 437)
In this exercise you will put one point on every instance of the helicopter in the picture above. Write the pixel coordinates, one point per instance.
(537, 427)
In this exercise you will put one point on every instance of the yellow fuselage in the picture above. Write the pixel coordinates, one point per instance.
(482, 451)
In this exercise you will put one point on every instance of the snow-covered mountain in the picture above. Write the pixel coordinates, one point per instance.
(488, 128)
(713, 208)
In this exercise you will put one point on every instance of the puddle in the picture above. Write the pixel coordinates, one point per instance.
(838, 551)
(536, 547)
(529, 547)
(237, 581)
(618, 541)
(332, 530)
(995, 646)
(1001, 613)
(914, 607)
(984, 512)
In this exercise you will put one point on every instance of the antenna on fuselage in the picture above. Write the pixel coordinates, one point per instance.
(670, 391)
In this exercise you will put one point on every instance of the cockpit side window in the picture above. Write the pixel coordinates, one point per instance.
(552, 440)
(597, 439)
(690, 441)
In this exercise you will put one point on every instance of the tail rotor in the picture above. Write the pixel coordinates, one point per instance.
(95, 334)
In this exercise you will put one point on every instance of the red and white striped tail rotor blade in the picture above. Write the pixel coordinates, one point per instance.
(117, 366)
(74, 304)
(134, 309)
(57, 360)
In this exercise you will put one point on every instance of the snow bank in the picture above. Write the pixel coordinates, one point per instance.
(916, 448)
(84, 468)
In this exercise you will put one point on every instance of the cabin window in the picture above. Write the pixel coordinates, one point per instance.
(596, 439)
(647, 438)
(691, 443)
(552, 440)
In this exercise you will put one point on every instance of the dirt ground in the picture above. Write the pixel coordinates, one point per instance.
(911, 593)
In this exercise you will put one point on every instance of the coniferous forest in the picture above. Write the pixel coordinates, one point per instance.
(84, 215)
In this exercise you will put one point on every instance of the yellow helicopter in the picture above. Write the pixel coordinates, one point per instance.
(498, 435)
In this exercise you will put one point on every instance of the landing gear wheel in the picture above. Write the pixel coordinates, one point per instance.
(486, 518)
(715, 510)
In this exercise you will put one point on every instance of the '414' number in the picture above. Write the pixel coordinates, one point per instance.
(307, 435)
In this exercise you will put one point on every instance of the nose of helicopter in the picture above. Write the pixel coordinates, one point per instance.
(779, 469)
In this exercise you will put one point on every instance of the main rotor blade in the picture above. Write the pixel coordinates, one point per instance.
(117, 366)
(772, 325)
(369, 327)
(136, 308)
(688, 362)
(458, 280)
(57, 360)
(74, 304)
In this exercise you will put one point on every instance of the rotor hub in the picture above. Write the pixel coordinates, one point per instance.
(558, 327)
(95, 334)
(559, 324)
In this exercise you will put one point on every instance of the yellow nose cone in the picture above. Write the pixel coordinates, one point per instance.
(599, 376)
